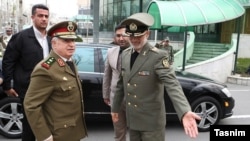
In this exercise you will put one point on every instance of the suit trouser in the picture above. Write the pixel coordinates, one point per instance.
(27, 134)
(120, 127)
(157, 135)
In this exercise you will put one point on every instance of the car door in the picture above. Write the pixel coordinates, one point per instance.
(90, 62)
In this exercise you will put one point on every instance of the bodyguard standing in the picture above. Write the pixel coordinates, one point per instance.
(24, 50)
(54, 101)
(145, 73)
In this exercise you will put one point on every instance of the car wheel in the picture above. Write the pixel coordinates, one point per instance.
(209, 110)
(10, 117)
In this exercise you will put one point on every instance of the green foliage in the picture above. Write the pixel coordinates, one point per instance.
(242, 66)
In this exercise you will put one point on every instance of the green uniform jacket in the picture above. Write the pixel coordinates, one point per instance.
(143, 88)
(54, 102)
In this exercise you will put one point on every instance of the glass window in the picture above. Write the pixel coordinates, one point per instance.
(134, 6)
(84, 58)
(90, 59)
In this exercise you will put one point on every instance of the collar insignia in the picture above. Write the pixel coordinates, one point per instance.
(60, 62)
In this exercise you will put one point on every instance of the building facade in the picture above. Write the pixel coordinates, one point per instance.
(112, 12)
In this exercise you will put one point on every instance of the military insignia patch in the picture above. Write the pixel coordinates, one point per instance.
(60, 62)
(70, 27)
(133, 27)
(46, 64)
(165, 63)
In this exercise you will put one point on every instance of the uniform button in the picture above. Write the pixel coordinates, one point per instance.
(129, 103)
(135, 106)
(134, 96)
(128, 93)
(128, 84)
(65, 126)
(135, 85)
(70, 87)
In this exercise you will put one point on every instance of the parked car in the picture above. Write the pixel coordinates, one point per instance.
(208, 98)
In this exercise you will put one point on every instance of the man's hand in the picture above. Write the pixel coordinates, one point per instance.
(190, 125)
(107, 101)
(11, 92)
(114, 117)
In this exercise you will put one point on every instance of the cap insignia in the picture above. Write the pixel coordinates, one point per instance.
(165, 63)
(46, 64)
(133, 27)
(70, 27)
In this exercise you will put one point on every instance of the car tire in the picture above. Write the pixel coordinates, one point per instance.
(10, 117)
(208, 108)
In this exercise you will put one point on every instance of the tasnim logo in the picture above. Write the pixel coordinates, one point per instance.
(239, 132)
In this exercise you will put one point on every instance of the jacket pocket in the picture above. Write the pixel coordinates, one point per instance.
(64, 124)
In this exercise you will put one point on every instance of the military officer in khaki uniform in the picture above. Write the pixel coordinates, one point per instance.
(54, 102)
(145, 74)
(164, 45)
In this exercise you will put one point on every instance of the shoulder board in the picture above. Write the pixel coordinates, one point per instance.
(47, 63)
(155, 49)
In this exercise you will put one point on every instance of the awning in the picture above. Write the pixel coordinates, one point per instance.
(186, 13)
(193, 12)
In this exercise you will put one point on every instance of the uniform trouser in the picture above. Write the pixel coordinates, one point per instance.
(120, 127)
(27, 134)
(157, 135)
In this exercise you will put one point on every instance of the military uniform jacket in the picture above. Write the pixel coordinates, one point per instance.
(111, 73)
(54, 102)
(143, 88)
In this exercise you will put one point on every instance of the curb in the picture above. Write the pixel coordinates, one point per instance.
(236, 79)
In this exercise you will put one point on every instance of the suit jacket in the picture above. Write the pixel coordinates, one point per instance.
(111, 73)
(143, 88)
(54, 102)
(23, 52)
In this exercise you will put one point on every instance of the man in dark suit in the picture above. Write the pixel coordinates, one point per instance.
(145, 73)
(54, 101)
(24, 50)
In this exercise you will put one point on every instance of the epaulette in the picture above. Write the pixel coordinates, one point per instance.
(155, 49)
(46, 64)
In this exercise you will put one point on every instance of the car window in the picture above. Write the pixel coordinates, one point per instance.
(90, 59)
(84, 59)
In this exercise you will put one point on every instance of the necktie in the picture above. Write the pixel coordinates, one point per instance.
(133, 57)
(71, 65)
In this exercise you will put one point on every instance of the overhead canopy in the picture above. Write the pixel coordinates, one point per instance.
(193, 12)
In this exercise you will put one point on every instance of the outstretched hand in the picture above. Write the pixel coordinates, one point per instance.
(190, 125)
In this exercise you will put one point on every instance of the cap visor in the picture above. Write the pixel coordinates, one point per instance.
(67, 36)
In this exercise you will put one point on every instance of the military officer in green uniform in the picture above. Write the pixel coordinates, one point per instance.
(164, 45)
(54, 102)
(145, 73)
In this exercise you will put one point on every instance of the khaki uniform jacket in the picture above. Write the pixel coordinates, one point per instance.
(111, 73)
(143, 88)
(54, 102)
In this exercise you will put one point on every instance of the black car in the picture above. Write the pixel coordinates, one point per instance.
(208, 98)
